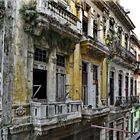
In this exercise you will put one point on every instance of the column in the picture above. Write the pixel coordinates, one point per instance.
(77, 73)
(91, 93)
(90, 22)
(116, 87)
(51, 77)
(108, 91)
(103, 134)
(114, 132)
(129, 87)
(123, 84)
(103, 80)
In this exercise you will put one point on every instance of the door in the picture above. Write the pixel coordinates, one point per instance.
(95, 83)
(39, 84)
(120, 85)
(84, 83)
(111, 88)
(60, 86)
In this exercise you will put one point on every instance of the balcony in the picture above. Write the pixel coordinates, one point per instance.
(123, 101)
(52, 115)
(89, 113)
(94, 47)
(59, 15)
(137, 71)
(123, 56)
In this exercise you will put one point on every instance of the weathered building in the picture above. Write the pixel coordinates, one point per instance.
(122, 82)
(134, 120)
(65, 66)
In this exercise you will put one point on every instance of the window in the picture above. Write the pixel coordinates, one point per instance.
(95, 72)
(119, 33)
(85, 26)
(131, 91)
(85, 18)
(120, 85)
(84, 83)
(39, 84)
(135, 87)
(126, 40)
(111, 88)
(95, 30)
(111, 26)
(40, 55)
(95, 83)
(61, 60)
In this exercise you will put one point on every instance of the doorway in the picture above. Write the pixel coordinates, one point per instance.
(111, 88)
(84, 83)
(39, 84)
(96, 82)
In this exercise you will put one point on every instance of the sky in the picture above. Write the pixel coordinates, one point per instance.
(134, 7)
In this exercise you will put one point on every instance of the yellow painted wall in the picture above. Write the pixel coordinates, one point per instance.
(103, 73)
(77, 74)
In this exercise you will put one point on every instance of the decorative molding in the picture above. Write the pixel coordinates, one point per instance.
(21, 128)
(20, 111)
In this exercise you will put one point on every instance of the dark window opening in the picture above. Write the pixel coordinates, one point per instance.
(126, 86)
(85, 26)
(41, 55)
(111, 26)
(84, 83)
(131, 91)
(95, 72)
(39, 84)
(95, 82)
(135, 88)
(86, 8)
(120, 85)
(61, 60)
(126, 40)
(111, 88)
(95, 30)
(119, 33)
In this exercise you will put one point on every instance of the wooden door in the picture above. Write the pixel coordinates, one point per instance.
(84, 83)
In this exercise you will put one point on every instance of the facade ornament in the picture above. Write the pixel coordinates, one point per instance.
(20, 111)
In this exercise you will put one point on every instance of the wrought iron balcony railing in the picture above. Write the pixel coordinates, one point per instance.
(126, 100)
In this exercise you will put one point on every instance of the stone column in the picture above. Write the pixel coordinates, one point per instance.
(104, 79)
(129, 79)
(108, 91)
(91, 93)
(90, 22)
(77, 73)
(114, 132)
(116, 88)
(51, 77)
(123, 84)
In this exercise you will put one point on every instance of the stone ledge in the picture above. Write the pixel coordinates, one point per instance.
(20, 128)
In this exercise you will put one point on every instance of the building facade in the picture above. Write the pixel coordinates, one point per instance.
(69, 70)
